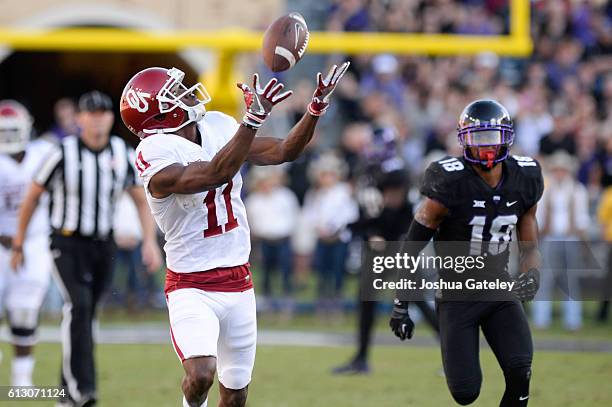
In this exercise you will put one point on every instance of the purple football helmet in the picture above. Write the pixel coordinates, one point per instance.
(485, 125)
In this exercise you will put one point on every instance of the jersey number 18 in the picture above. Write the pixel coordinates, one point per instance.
(500, 231)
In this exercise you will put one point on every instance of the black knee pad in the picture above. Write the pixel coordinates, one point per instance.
(23, 336)
(23, 331)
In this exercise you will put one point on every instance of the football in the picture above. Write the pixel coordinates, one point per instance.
(285, 42)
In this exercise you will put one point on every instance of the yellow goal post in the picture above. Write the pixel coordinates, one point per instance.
(228, 43)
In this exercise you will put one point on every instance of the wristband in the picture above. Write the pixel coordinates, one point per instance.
(250, 126)
(253, 120)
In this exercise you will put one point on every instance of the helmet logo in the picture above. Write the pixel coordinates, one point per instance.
(137, 100)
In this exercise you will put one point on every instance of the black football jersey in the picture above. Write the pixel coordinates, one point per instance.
(481, 220)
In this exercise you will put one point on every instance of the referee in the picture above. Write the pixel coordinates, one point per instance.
(85, 176)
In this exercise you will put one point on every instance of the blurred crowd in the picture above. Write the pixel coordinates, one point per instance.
(399, 113)
(392, 115)
(420, 16)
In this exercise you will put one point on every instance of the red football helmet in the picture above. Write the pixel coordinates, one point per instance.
(15, 127)
(151, 102)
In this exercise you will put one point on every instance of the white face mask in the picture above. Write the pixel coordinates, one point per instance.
(170, 97)
(14, 135)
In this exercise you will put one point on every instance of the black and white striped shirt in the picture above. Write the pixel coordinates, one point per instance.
(84, 185)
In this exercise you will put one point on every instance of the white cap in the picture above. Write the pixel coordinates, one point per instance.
(385, 64)
(487, 60)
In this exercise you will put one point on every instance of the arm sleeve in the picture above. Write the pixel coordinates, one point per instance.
(151, 158)
(49, 167)
(417, 238)
(435, 185)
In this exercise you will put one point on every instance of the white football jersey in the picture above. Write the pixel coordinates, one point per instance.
(15, 180)
(205, 230)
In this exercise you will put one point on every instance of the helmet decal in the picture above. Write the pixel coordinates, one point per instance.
(138, 100)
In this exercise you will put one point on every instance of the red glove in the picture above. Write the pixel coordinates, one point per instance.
(259, 102)
(325, 87)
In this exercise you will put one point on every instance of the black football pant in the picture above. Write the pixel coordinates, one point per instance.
(84, 273)
(506, 330)
(367, 319)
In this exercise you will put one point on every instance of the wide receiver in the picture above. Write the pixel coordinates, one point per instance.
(189, 160)
(476, 201)
(23, 290)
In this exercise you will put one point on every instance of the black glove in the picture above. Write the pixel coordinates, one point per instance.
(526, 285)
(400, 322)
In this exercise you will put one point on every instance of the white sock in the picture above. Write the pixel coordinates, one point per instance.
(186, 404)
(21, 370)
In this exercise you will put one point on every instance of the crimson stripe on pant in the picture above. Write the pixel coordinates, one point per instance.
(176, 347)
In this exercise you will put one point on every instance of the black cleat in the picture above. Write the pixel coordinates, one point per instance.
(357, 366)
(87, 401)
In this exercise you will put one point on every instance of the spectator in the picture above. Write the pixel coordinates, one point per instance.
(354, 140)
(269, 199)
(605, 219)
(533, 122)
(604, 159)
(330, 207)
(349, 15)
(564, 64)
(563, 218)
(141, 288)
(385, 79)
(560, 138)
(65, 114)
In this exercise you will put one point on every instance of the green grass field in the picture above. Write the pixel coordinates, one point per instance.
(149, 375)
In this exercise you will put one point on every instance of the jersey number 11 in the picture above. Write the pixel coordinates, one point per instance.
(214, 228)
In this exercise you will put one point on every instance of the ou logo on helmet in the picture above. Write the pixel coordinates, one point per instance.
(138, 100)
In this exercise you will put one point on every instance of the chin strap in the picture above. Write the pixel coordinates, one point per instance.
(196, 113)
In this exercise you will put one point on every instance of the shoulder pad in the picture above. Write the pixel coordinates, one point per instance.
(526, 165)
(439, 177)
(531, 171)
(216, 118)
